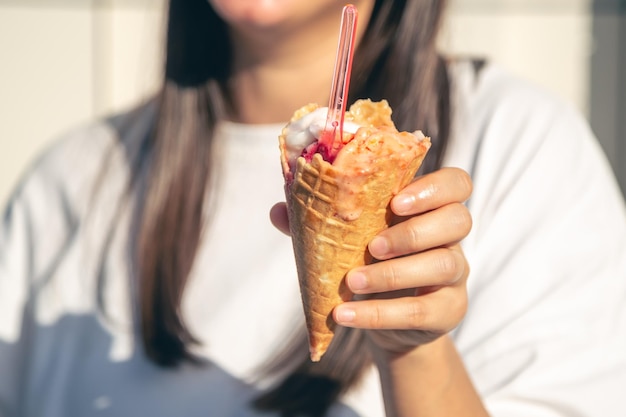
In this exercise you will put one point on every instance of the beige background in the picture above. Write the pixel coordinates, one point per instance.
(66, 62)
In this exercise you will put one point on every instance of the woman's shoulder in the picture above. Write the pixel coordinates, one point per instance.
(84, 149)
(511, 117)
(78, 160)
(488, 90)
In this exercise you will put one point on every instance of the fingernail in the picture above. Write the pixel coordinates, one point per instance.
(357, 281)
(345, 314)
(379, 246)
(403, 203)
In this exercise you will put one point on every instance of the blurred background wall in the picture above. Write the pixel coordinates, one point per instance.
(66, 62)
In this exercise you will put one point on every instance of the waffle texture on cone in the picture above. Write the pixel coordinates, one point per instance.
(336, 208)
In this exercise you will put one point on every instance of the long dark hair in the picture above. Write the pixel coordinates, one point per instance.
(397, 60)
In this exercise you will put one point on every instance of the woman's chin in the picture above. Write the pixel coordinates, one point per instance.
(267, 14)
(255, 13)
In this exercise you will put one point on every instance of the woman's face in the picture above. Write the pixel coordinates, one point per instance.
(276, 14)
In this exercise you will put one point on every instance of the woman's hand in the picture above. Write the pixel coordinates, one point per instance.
(417, 291)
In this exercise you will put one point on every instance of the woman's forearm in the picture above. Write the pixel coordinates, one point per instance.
(429, 381)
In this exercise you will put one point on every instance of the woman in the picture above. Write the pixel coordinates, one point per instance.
(152, 283)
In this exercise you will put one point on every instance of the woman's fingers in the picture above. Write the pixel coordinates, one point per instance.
(278, 216)
(433, 190)
(438, 267)
(438, 227)
(418, 290)
(409, 301)
(438, 312)
(438, 216)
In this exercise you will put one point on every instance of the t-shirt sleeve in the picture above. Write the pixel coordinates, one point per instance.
(545, 333)
(33, 228)
(14, 270)
(36, 227)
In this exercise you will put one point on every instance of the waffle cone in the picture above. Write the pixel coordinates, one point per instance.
(334, 212)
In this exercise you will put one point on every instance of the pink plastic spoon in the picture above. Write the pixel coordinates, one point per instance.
(330, 138)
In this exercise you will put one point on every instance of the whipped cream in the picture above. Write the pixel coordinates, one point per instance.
(307, 130)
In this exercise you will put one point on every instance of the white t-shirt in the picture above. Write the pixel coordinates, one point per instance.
(544, 336)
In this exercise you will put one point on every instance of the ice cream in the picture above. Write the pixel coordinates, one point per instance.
(338, 200)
